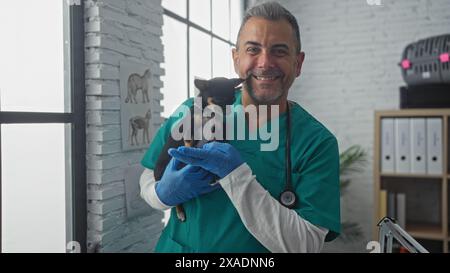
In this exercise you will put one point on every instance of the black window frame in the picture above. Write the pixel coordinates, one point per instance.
(76, 118)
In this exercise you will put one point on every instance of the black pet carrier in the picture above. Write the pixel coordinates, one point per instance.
(427, 61)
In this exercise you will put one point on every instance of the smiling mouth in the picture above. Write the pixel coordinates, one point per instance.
(266, 78)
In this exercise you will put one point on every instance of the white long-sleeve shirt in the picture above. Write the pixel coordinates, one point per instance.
(276, 227)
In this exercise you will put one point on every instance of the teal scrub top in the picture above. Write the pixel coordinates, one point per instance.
(214, 225)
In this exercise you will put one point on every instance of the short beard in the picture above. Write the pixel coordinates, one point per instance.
(257, 100)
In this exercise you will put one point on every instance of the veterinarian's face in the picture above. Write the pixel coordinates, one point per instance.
(266, 50)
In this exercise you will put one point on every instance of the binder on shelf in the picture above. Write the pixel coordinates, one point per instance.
(402, 145)
(383, 204)
(391, 205)
(434, 145)
(401, 210)
(387, 145)
(418, 145)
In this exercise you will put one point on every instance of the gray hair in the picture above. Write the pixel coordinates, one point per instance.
(272, 11)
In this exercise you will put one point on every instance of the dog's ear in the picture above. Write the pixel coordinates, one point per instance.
(224, 84)
(236, 82)
(201, 84)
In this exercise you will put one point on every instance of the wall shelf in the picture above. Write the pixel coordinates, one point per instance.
(435, 230)
(425, 231)
(406, 175)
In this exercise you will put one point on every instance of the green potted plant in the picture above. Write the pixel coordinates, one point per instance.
(351, 160)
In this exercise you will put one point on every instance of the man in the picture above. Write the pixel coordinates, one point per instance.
(243, 212)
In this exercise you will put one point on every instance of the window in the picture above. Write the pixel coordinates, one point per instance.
(25, 86)
(42, 127)
(197, 36)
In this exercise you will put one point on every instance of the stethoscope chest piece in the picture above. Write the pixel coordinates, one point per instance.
(288, 199)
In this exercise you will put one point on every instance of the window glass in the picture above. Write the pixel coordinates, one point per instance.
(221, 58)
(200, 56)
(221, 18)
(175, 65)
(32, 56)
(236, 13)
(200, 13)
(33, 187)
(175, 6)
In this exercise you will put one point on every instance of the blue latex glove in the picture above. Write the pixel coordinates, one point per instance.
(217, 157)
(178, 185)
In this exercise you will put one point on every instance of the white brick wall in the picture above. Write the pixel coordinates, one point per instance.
(352, 50)
(117, 30)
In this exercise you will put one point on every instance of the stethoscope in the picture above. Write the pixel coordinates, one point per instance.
(288, 198)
